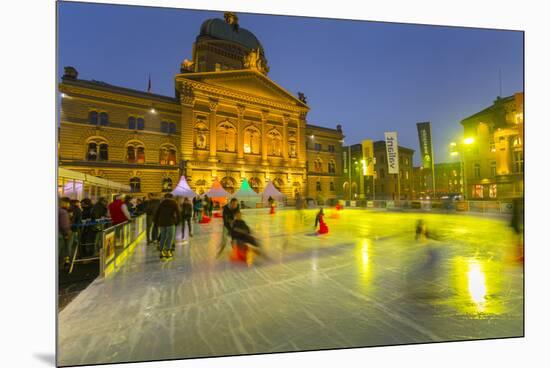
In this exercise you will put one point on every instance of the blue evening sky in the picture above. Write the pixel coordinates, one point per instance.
(370, 77)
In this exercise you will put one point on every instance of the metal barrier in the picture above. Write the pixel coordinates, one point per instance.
(118, 242)
(494, 207)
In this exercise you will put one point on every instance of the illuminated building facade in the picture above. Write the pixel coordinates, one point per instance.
(448, 180)
(494, 162)
(228, 121)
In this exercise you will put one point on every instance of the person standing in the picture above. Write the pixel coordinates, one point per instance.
(210, 207)
(167, 217)
(64, 232)
(119, 211)
(186, 213)
(151, 206)
(198, 210)
(228, 215)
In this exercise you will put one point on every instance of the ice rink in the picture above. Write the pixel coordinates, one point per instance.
(367, 282)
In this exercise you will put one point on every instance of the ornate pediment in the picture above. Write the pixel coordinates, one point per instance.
(246, 83)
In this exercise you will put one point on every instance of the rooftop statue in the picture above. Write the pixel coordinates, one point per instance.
(255, 60)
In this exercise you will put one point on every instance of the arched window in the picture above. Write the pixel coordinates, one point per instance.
(135, 185)
(318, 165)
(252, 140)
(225, 137)
(278, 183)
(229, 184)
(255, 184)
(332, 167)
(93, 117)
(167, 155)
(166, 185)
(201, 136)
(103, 119)
(132, 123)
(98, 150)
(135, 153)
(274, 143)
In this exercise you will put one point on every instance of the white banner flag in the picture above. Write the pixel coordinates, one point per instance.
(392, 151)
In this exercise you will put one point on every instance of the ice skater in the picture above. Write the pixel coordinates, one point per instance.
(319, 219)
(245, 246)
(228, 214)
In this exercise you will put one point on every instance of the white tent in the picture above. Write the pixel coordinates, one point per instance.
(183, 189)
(247, 195)
(271, 191)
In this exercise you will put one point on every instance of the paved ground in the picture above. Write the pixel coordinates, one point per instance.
(366, 283)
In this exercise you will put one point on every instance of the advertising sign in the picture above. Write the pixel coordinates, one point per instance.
(392, 152)
(425, 139)
(368, 156)
(109, 246)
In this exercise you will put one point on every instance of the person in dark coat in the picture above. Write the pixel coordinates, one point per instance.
(228, 214)
(186, 214)
(167, 217)
(64, 232)
(151, 206)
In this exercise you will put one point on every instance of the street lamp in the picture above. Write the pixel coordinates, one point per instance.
(459, 150)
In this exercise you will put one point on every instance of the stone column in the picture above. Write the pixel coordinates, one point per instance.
(213, 106)
(187, 100)
(301, 135)
(240, 134)
(265, 114)
(286, 118)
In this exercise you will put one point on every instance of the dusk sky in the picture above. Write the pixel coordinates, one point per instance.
(370, 77)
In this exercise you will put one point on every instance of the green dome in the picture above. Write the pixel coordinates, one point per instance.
(218, 29)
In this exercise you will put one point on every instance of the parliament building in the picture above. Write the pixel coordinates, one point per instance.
(227, 120)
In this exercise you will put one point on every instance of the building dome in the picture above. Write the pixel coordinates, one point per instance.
(222, 30)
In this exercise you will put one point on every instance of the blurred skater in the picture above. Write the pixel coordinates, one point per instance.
(228, 214)
(320, 220)
(244, 245)
(421, 231)
(186, 213)
(517, 225)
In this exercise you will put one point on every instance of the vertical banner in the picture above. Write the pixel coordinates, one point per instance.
(368, 156)
(392, 152)
(425, 138)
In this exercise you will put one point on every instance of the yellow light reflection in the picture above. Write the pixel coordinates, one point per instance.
(475, 280)
(477, 284)
(363, 255)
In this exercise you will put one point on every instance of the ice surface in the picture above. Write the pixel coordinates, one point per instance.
(365, 283)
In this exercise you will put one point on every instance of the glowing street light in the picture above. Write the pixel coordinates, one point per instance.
(469, 140)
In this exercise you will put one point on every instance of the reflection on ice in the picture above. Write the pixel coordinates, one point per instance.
(477, 284)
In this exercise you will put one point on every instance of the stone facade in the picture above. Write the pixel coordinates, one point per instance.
(494, 162)
(227, 123)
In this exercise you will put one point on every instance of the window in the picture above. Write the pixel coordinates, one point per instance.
(168, 127)
(332, 186)
(477, 170)
(493, 168)
(252, 141)
(382, 173)
(201, 136)
(331, 148)
(229, 184)
(477, 191)
(407, 175)
(492, 191)
(318, 165)
(166, 185)
(140, 124)
(331, 167)
(135, 185)
(492, 146)
(318, 186)
(517, 157)
(225, 137)
(318, 146)
(97, 151)
(167, 155)
(132, 123)
(135, 153)
(93, 117)
(274, 143)
(103, 119)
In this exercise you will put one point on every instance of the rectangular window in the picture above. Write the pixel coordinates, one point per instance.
(477, 191)
(164, 128)
(332, 186)
(477, 170)
(492, 191)
(331, 148)
(318, 186)
(318, 146)
(493, 168)
(172, 128)
(518, 161)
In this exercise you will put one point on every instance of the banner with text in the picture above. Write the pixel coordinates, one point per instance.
(392, 151)
(368, 156)
(425, 138)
